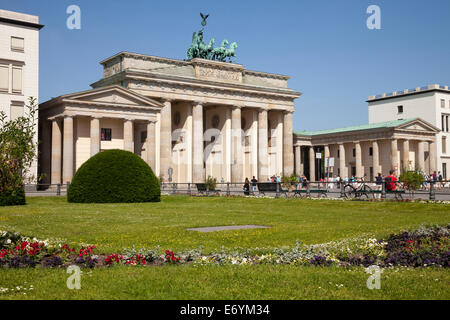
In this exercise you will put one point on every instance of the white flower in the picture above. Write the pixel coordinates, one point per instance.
(8, 241)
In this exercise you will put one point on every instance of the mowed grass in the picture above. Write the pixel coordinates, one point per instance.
(269, 282)
(113, 227)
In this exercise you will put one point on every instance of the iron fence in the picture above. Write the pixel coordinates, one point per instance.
(432, 190)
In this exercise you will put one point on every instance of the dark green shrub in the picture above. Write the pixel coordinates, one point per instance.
(114, 176)
(12, 197)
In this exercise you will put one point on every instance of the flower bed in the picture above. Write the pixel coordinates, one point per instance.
(425, 247)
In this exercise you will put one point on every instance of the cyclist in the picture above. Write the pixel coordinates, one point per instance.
(391, 181)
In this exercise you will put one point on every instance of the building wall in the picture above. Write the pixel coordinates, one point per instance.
(28, 60)
(426, 106)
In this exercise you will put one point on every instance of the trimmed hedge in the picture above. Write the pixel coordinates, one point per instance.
(13, 197)
(114, 176)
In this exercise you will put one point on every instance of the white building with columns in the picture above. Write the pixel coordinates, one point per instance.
(187, 119)
(19, 65)
(430, 103)
(366, 150)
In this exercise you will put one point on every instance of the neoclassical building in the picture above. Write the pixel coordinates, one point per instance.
(199, 118)
(366, 150)
(187, 119)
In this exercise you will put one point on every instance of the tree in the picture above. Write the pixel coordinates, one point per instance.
(18, 150)
(289, 181)
(412, 180)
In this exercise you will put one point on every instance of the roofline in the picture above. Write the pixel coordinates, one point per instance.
(122, 75)
(185, 62)
(22, 23)
(405, 94)
(61, 97)
(317, 133)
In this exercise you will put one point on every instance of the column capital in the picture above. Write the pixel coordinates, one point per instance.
(288, 111)
(237, 106)
(55, 118)
(167, 100)
(197, 102)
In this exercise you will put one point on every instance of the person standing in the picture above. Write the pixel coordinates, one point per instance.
(378, 185)
(247, 187)
(254, 184)
(390, 181)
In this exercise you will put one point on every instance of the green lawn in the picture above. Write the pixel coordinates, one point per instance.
(114, 226)
(227, 282)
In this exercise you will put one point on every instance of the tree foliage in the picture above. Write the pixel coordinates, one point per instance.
(412, 180)
(18, 150)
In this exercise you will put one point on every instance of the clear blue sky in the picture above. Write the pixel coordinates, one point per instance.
(325, 46)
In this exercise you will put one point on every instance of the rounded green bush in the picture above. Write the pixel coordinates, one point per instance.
(13, 197)
(114, 176)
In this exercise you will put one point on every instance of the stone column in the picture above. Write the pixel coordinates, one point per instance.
(288, 151)
(150, 145)
(68, 149)
(298, 161)
(166, 139)
(198, 171)
(405, 155)
(394, 154)
(236, 168)
(263, 151)
(189, 145)
(95, 136)
(375, 158)
(358, 160)
(312, 164)
(326, 151)
(56, 152)
(432, 156)
(421, 155)
(342, 165)
(128, 136)
(326, 154)
(254, 143)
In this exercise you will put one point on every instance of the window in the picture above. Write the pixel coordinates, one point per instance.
(442, 103)
(354, 153)
(4, 78)
(444, 145)
(446, 123)
(16, 110)
(338, 154)
(353, 171)
(17, 80)
(371, 178)
(400, 109)
(106, 134)
(371, 152)
(442, 123)
(17, 44)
